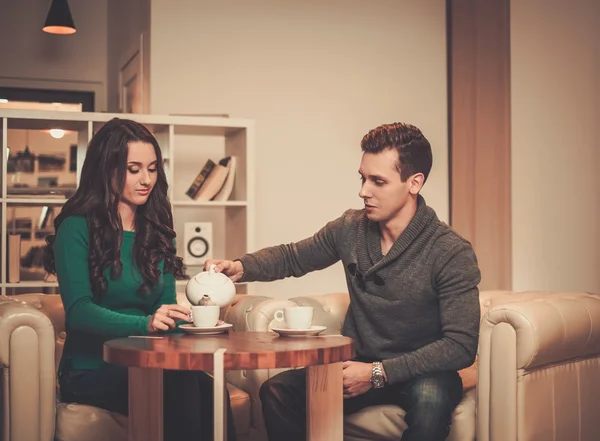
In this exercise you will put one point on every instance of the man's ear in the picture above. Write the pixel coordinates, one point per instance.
(416, 182)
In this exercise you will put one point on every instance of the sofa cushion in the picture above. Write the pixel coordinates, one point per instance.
(386, 422)
(79, 422)
(240, 405)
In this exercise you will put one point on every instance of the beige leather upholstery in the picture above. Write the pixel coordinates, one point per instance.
(546, 349)
(32, 334)
(537, 376)
(540, 356)
(28, 372)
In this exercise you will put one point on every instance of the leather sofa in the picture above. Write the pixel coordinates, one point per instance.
(32, 335)
(536, 349)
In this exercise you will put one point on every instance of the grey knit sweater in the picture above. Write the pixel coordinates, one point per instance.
(416, 308)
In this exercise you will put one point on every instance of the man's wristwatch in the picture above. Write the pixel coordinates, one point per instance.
(377, 378)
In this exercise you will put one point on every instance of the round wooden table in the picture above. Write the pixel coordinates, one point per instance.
(147, 357)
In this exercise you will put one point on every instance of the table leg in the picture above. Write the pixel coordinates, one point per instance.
(145, 404)
(220, 396)
(324, 403)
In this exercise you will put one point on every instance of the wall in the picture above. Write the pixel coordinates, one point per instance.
(31, 58)
(129, 24)
(479, 92)
(556, 144)
(316, 76)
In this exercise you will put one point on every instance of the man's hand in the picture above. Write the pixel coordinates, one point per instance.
(357, 378)
(233, 270)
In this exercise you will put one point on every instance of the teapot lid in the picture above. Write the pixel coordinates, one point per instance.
(211, 277)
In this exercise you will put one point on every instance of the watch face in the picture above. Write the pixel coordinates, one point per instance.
(377, 381)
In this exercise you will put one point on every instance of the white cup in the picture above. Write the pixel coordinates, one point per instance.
(295, 317)
(205, 316)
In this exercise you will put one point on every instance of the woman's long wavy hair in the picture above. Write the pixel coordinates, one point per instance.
(97, 198)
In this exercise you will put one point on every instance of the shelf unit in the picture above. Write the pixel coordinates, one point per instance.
(186, 143)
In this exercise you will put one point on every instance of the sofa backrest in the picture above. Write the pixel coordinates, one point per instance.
(52, 305)
(330, 309)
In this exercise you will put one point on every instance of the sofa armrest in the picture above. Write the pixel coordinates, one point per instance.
(29, 379)
(526, 349)
(549, 330)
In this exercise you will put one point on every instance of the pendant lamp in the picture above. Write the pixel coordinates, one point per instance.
(59, 19)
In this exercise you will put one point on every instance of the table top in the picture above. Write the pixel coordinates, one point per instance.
(243, 350)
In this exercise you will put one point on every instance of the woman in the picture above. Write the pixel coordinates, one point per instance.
(116, 263)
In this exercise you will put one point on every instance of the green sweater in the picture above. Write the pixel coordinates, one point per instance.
(120, 313)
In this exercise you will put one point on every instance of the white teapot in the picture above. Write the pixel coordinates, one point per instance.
(210, 287)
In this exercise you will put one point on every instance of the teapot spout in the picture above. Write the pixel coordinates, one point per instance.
(205, 300)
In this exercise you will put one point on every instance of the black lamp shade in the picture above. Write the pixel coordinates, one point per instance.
(59, 19)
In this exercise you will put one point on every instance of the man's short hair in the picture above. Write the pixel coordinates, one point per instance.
(414, 151)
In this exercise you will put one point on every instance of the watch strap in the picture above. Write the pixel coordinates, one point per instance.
(377, 377)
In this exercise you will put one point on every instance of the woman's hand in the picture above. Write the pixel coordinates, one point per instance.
(165, 317)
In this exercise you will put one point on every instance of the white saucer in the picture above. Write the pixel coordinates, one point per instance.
(206, 330)
(286, 332)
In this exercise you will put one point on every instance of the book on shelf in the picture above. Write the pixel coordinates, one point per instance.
(192, 192)
(13, 260)
(47, 214)
(227, 187)
(215, 181)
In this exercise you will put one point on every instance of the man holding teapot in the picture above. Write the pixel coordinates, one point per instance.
(414, 302)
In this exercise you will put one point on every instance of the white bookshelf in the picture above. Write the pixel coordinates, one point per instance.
(186, 143)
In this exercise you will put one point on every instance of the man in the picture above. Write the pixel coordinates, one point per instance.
(414, 308)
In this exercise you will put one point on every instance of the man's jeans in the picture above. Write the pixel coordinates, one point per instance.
(429, 402)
